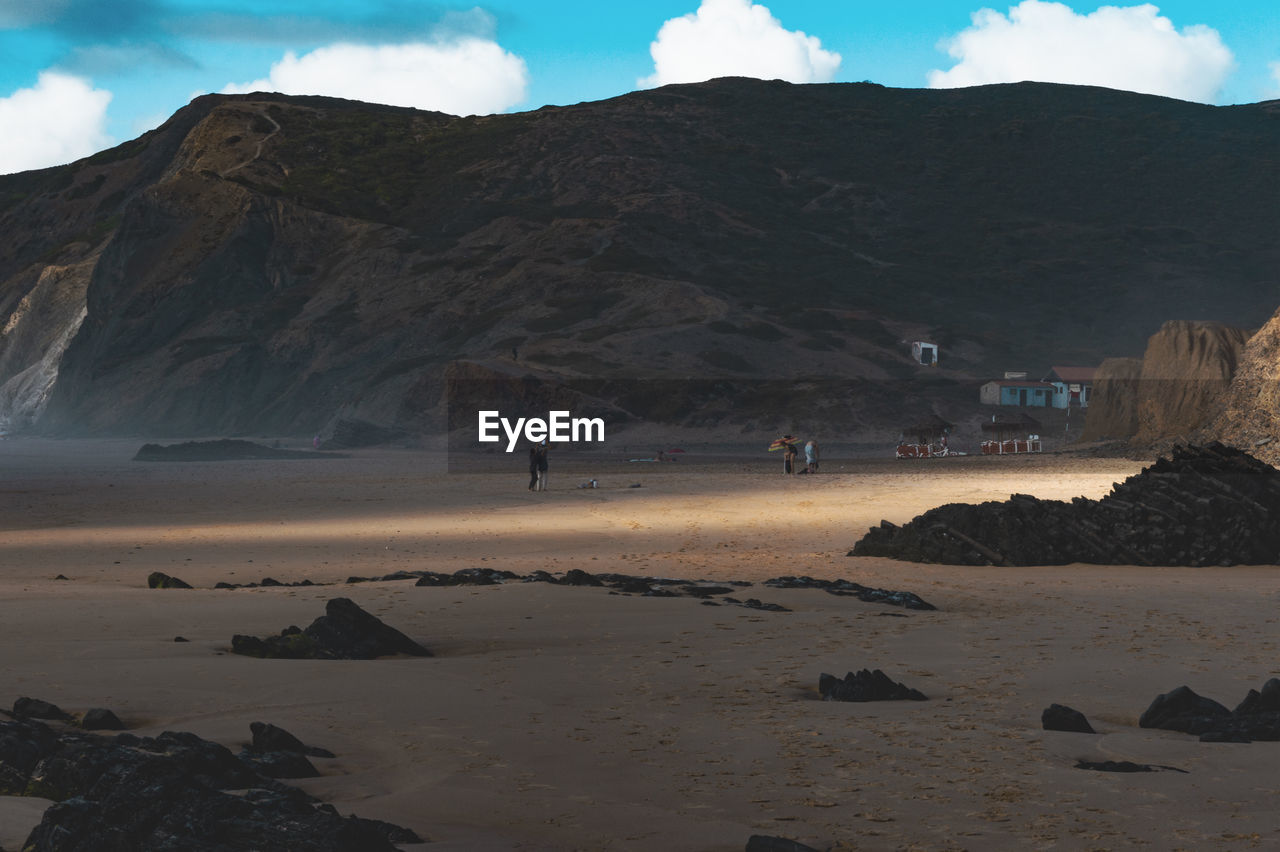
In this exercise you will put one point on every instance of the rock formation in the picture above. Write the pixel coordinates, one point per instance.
(1211, 505)
(173, 791)
(1172, 392)
(866, 685)
(1113, 407)
(344, 632)
(1250, 410)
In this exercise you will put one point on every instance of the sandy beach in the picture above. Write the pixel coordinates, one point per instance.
(564, 718)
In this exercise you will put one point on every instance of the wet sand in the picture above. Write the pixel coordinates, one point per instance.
(568, 718)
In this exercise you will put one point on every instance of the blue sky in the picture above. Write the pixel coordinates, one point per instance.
(77, 76)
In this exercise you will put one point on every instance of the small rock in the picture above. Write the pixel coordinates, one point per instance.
(34, 708)
(1125, 766)
(866, 686)
(1059, 717)
(768, 843)
(1183, 710)
(160, 580)
(101, 719)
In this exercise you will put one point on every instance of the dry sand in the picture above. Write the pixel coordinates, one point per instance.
(569, 718)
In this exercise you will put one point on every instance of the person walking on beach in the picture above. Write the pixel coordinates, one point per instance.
(542, 467)
(533, 468)
(789, 457)
(811, 456)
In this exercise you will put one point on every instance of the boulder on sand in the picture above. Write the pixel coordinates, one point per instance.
(344, 632)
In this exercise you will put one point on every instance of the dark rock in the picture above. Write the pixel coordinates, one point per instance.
(1058, 717)
(466, 577)
(698, 591)
(268, 737)
(1183, 710)
(181, 639)
(62, 577)
(34, 708)
(1225, 736)
(160, 580)
(1125, 766)
(768, 843)
(101, 719)
(578, 577)
(270, 581)
(865, 686)
(1203, 506)
(344, 632)
(1265, 701)
(755, 603)
(851, 589)
(128, 793)
(279, 764)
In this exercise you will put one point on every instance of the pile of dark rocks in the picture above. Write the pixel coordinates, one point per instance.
(1209, 505)
(344, 632)
(1257, 717)
(866, 685)
(173, 791)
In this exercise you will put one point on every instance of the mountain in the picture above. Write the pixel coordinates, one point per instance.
(737, 251)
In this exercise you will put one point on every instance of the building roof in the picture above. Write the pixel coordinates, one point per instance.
(1018, 383)
(1073, 374)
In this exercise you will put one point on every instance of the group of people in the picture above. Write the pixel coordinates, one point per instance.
(790, 454)
(538, 467)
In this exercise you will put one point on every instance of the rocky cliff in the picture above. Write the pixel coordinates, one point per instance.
(270, 263)
(1113, 407)
(1250, 408)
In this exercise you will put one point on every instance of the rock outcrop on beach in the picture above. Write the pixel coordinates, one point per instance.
(1059, 717)
(866, 685)
(736, 251)
(1175, 390)
(1257, 717)
(173, 791)
(1211, 505)
(344, 632)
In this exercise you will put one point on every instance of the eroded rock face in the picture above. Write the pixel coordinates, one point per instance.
(1250, 415)
(1175, 389)
(1211, 505)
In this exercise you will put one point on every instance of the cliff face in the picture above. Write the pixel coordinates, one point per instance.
(1250, 412)
(1113, 407)
(269, 263)
(1185, 372)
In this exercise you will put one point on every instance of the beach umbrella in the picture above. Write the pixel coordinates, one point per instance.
(781, 443)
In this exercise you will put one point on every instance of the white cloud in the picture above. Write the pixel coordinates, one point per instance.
(1275, 80)
(61, 119)
(736, 38)
(1131, 47)
(467, 76)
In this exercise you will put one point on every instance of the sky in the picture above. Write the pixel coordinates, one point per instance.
(79, 76)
